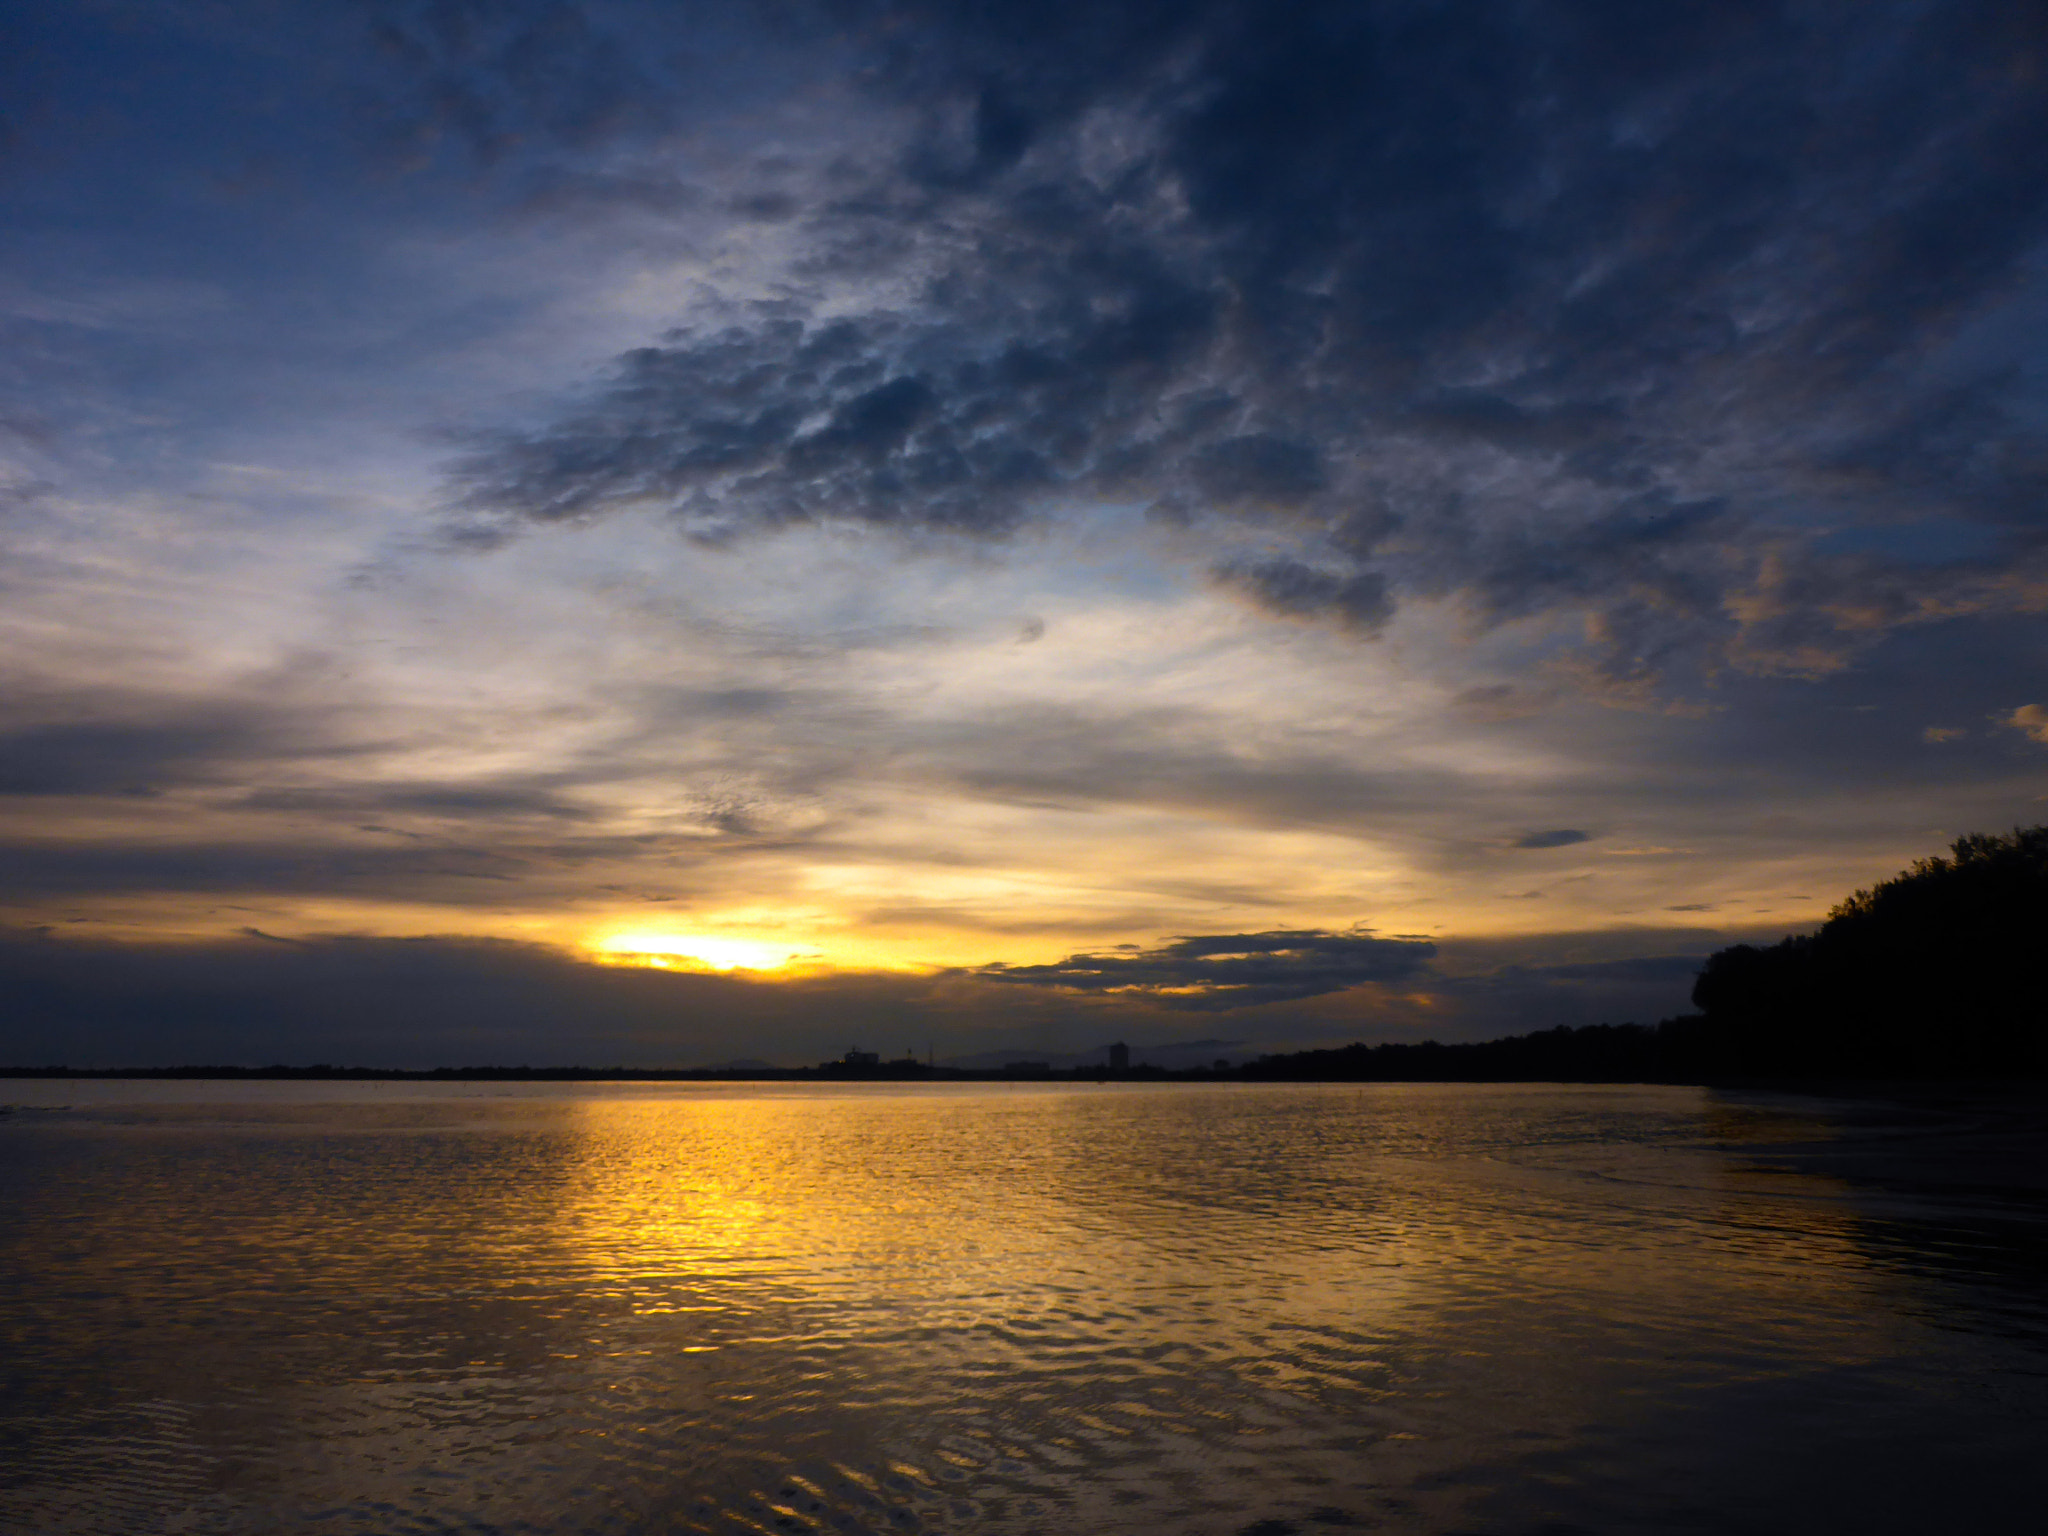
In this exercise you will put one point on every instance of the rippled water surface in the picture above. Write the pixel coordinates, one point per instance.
(1239, 1309)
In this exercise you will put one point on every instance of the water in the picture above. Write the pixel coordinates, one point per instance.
(1244, 1309)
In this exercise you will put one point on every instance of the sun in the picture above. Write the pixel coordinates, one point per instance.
(698, 951)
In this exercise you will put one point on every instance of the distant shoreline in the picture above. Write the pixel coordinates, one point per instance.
(678, 1075)
(1825, 1087)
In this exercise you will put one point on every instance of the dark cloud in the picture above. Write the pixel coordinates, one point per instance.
(1256, 469)
(275, 866)
(452, 801)
(101, 759)
(1562, 837)
(1357, 600)
(131, 757)
(917, 423)
(1231, 970)
(1569, 306)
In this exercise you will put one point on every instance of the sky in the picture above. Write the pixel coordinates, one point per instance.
(667, 533)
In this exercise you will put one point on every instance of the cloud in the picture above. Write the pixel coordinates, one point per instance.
(135, 747)
(2031, 719)
(1563, 344)
(99, 758)
(1232, 970)
(1553, 309)
(1562, 837)
(1502, 701)
(927, 424)
(1256, 469)
(1357, 600)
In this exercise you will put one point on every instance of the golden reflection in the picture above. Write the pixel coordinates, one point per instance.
(841, 1306)
(1302, 1241)
(931, 1195)
(729, 1190)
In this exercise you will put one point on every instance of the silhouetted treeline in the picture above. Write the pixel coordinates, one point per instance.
(1594, 1053)
(1938, 972)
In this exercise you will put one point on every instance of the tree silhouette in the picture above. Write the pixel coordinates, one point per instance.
(1937, 972)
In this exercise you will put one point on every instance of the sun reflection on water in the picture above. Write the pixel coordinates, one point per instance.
(969, 1307)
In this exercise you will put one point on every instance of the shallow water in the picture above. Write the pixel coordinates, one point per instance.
(974, 1308)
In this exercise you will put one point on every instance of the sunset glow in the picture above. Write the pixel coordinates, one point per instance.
(711, 952)
(1181, 522)
(1031, 766)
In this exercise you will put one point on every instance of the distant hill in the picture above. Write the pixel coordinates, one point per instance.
(1941, 971)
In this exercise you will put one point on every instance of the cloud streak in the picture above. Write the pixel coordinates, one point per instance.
(1233, 970)
(1563, 837)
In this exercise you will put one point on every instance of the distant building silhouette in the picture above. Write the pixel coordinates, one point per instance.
(1120, 1057)
(869, 1064)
